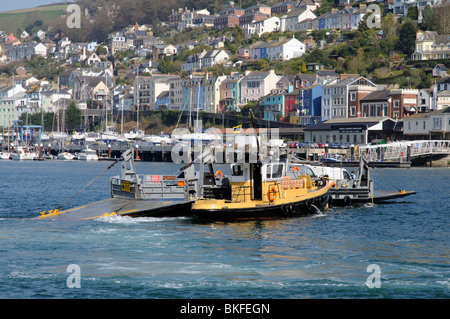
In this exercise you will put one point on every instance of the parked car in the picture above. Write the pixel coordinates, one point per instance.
(333, 145)
(295, 144)
(310, 144)
(321, 145)
(332, 158)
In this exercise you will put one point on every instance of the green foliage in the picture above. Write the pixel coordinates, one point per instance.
(406, 42)
(73, 117)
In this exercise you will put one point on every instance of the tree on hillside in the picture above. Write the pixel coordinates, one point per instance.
(442, 19)
(427, 18)
(407, 40)
(73, 117)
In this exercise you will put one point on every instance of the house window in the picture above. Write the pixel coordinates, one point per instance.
(353, 111)
(386, 110)
(396, 104)
(352, 96)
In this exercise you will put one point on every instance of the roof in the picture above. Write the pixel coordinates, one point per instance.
(163, 95)
(377, 95)
(295, 13)
(344, 82)
(348, 122)
(256, 75)
(327, 73)
(310, 78)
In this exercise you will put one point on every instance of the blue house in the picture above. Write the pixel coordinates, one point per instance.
(162, 101)
(193, 94)
(310, 104)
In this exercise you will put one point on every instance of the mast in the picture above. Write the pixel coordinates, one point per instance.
(256, 135)
(137, 106)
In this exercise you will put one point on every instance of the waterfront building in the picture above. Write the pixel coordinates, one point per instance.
(433, 125)
(354, 130)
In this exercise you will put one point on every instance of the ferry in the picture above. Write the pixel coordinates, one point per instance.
(264, 190)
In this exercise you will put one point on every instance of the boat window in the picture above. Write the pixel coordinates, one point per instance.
(274, 171)
(277, 171)
(346, 175)
(237, 170)
(310, 172)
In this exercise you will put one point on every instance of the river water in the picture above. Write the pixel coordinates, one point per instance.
(327, 255)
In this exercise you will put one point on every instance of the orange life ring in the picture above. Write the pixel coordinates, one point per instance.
(272, 194)
(333, 185)
(295, 169)
(219, 173)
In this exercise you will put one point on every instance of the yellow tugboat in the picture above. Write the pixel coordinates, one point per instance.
(265, 190)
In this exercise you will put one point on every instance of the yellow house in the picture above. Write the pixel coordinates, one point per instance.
(431, 46)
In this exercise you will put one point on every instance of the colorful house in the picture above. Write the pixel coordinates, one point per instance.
(310, 104)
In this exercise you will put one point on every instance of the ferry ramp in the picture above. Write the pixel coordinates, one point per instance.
(123, 207)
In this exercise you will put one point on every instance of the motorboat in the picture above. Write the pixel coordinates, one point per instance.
(87, 155)
(135, 135)
(66, 156)
(5, 155)
(92, 137)
(22, 153)
(160, 139)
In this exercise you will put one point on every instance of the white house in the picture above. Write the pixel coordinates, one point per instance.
(271, 24)
(205, 59)
(285, 50)
(92, 59)
(290, 21)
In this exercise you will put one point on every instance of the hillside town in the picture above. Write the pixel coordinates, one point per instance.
(131, 72)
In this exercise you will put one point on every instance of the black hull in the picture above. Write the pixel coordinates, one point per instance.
(350, 197)
(306, 207)
(182, 209)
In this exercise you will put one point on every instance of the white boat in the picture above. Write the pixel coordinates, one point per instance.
(92, 137)
(21, 153)
(109, 135)
(87, 155)
(158, 139)
(135, 135)
(78, 136)
(58, 135)
(5, 155)
(66, 156)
